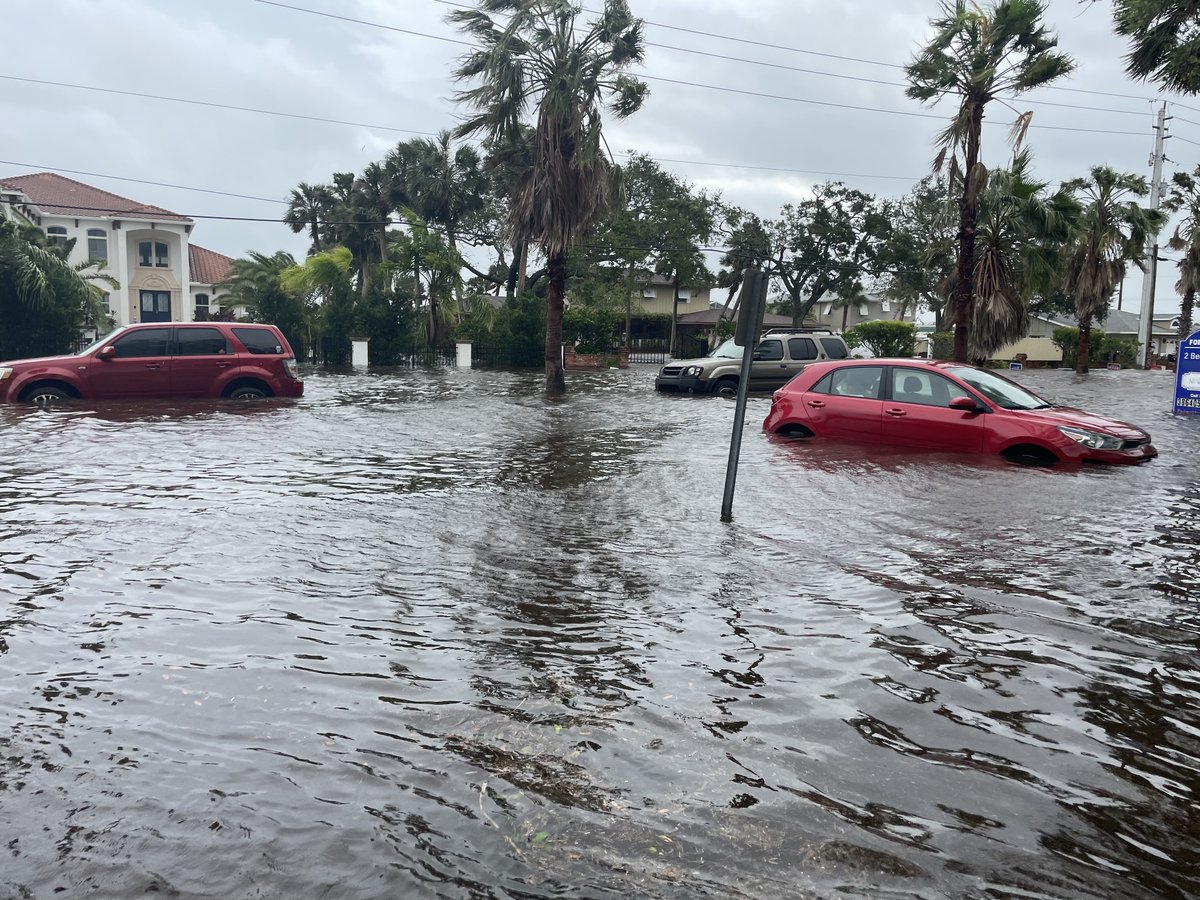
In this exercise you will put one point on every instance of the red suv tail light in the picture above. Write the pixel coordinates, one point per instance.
(289, 366)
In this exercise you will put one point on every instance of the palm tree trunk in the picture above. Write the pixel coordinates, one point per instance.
(1186, 307)
(968, 205)
(556, 381)
(1082, 352)
(522, 271)
(629, 306)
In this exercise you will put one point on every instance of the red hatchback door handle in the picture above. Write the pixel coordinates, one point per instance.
(153, 365)
(817, 404)
(224, 365)
(895, 412)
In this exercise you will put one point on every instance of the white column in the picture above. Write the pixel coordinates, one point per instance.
(120, 299)
(463, 358)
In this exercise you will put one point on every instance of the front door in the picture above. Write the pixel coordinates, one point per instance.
(919, 414)
(768, 368)
(156, 306)
(140, 367)
(845, 404)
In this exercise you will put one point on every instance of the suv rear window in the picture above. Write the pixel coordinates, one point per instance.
(259, 340)
(834, 348)
(802, 348)
(200, 342)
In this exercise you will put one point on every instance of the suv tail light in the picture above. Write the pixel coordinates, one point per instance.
(289, 366)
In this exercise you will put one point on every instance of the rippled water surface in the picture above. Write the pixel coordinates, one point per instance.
(428, 634)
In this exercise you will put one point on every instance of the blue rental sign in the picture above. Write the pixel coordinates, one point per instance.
(1187, 377)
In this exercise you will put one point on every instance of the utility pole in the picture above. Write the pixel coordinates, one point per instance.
(1149, 277)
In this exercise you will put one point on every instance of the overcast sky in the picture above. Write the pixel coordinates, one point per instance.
(836, 108)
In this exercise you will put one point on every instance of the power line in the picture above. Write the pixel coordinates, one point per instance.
(712, 55)
(894, 112)
(695, 162)
(435, 37)
(265, 112)
(182, 187)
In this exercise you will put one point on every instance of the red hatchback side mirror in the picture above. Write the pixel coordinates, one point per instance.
(967, 404)
(107, 352)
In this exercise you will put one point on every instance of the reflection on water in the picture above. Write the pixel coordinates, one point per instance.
(429, 634)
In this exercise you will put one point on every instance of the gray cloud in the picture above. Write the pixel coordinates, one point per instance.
(251, 54)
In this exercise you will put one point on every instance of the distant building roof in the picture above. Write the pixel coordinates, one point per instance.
(59, 196)
(1118, 321)
(208, 266)
(708, 318)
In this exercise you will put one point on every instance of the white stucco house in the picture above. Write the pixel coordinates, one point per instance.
(164, 276)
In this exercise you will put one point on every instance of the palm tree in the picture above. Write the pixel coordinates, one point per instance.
(44, 300)
(1112, 233)
(534, 55)
(436, 268)
(323, 282)
(446, 186)
(1164, 41)
(255, 283)
(1022, 232)
(978, 55)
(1185, 195)
(308, 205)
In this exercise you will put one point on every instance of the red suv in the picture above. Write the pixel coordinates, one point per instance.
(194, 359)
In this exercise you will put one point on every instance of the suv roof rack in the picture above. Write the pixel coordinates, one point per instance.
(799, 330)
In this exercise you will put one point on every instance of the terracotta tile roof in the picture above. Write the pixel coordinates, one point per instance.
(56, 195)
(208, 266)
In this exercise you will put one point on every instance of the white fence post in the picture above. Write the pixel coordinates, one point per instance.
(463, 359)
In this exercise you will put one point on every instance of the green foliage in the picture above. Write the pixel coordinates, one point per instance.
(388, 319)
(44, 301)
(917, 257)
(536, 57)
(659, 228)
(516, 336)
(975, 55)
(942, 344)
(324, 283)
(831, 243)
(1101, 347)
(1120, 350)
(885, 339)
(1164, 42)
(1112, 232)
(1184, 195)
(592, 329)
(254, 283)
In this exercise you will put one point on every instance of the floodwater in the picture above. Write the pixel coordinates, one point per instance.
(428, 634)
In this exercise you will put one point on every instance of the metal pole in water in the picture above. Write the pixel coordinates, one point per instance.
(749, 326)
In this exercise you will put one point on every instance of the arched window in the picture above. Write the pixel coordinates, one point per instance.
(97, 244)
(57, 234)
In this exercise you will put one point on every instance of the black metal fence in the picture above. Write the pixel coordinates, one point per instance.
(426, 356)
(507, 355)
(653, 351)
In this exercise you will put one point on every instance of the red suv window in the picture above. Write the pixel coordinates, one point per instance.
(142, 342)
(259, 340)
(200, 342)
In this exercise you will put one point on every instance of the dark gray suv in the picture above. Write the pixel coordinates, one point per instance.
(780, 355)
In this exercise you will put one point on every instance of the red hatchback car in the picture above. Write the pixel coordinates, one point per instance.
(946, 406)
(193, 359)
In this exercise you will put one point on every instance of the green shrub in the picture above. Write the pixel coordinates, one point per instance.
(942, 344)
(885, 338)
